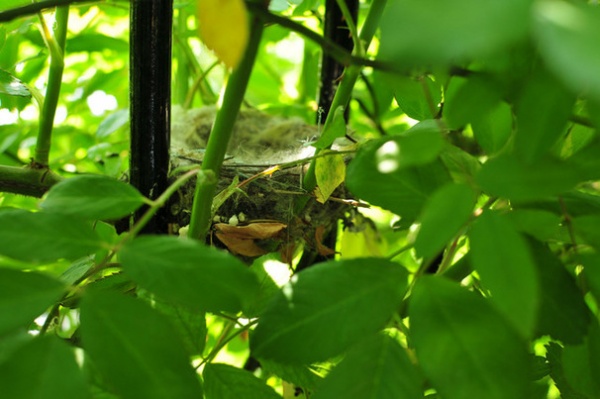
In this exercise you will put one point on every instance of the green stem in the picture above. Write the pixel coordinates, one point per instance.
(29, 180)
(221, 134)
(358, 47)
(56, 45)
(183, 69)
(344, 92)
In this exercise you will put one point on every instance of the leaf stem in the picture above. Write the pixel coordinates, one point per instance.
(221, 134)
(56, 45)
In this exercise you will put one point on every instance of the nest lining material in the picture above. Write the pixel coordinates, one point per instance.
(263, 201)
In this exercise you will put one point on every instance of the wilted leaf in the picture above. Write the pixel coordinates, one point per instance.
(224, 28)
(330, 172)
(241, 239)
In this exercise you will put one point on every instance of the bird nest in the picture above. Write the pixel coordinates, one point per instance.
(260, 206)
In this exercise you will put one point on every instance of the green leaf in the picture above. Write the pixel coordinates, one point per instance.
(45, 237)
(538, 223)
(412, 99)
(563, 313)
(445, 213)
(507, 177)
(375, 168)
(189, 273)
(92, 42)
(112, 123)
(376, 368)
(44, 368)
(417, 32)
(570, 370)
(504, 262)
(222, 381)
(335, 129)
(591, 263)
(12, 86)
(587, 228)
(471, 98)
(299, 375)
(136, 349)
(567, 36)
(542, 112)
(308, 320)
(464, 346)
(24, 296)
(92, 197)
(493, 129)
(190, 325)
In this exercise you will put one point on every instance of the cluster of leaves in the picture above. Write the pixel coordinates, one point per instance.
(492, 294)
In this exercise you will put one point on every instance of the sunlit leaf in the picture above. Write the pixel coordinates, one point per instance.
(44, 368)
(45, 237)
(377, 368)
(12, 86)
(308, 320)
(224, 28)
(92, 197)
(136, 349)
(413, 96)
(189, 273)
(502, 258)
(222, 381)
(112, 123)
(330, 172)
(445, 213)
(24, 296)
(464, 346)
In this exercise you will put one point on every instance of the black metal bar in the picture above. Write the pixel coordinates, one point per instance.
(150, 80)
(336, 30)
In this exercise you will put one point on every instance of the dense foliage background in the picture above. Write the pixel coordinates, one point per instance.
(474, 273)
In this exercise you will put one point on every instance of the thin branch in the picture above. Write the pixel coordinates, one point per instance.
(34, 8)
(32, 180)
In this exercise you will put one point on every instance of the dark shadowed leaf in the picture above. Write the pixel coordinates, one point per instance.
(433, 32)
(412, 98)
(44, 368)
(24, 296)
(136, 349)
(464, 346)
(502, 258)
(93, 197)
(563, 312)
(376, 368)
(508, 177)
(375, 176)
(493, 129)
(222, 381)
(445, 213)
(189, 273)
(309, 318)
(542, 112)
(568, 35)
(45, 237)
(469, 100)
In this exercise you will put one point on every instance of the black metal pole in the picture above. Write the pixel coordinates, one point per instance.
(335, 29)
(150, 84)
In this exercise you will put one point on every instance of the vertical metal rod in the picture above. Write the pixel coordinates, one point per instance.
(150, 107)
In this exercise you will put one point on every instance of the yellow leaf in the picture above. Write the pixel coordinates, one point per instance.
(330, 172)
(224, 28)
